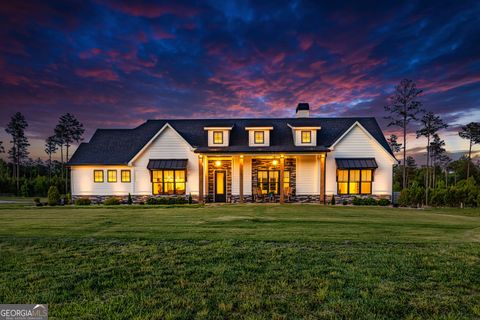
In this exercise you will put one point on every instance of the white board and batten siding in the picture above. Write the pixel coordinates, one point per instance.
(168, 145)
(358, 144)
(308, 175)
(247, 175)
(83, 184)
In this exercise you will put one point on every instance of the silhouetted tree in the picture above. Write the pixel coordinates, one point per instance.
(404, 107)
(430, 126)
(471, 132)
(18, 152)
(50, 148)
(70, 130)
(437, 150)
(1, 147)
(393, 143)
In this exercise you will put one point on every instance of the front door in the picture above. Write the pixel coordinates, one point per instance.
(220, 186)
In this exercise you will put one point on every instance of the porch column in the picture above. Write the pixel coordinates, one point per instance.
(323, 178)
(282, 169)
(200, 179)
(241, 179)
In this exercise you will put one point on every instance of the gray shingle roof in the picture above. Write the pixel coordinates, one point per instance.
(119, 146)
(356, 163)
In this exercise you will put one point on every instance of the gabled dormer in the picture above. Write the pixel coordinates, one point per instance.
(304, 136)
(218, 136)
(259, 136)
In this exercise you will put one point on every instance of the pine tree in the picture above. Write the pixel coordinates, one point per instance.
(393, 143)
(50, 148)
(471, 132)
(18, 152)
(404, 107)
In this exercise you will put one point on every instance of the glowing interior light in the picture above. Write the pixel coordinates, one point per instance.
(218, 163)
(275, 162)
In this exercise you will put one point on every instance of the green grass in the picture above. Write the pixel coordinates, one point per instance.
(250, 261)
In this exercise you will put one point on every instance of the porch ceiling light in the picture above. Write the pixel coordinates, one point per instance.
(275, 162)
(218, 163)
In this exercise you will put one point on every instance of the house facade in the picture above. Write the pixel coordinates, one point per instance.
(298, 159)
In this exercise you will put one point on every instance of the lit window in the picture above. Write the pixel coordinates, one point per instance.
(98, 175)
(112, 175)
(268, 181)
(259, 137)
(306, 136)
(217, 137)
(286, 183)
(126, 176)
(168, 181)
(354, 181)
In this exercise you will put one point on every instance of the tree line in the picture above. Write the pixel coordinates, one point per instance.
(27, 177)
(404, 109)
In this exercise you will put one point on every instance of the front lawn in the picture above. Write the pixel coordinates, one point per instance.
(242, 261)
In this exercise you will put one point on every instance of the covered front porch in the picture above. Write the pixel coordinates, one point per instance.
(262, 178)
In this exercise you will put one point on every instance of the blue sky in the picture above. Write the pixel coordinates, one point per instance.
(116, 64)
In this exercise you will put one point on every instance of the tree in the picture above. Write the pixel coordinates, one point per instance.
(69, 130)
(404, 107)
(51, 147)
(18, 152)
(437, 150)
(410, 170)
(1, 147)
(471, 132)
(393, 143)
(430, 126)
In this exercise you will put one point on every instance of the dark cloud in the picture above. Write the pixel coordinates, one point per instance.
(115, 64)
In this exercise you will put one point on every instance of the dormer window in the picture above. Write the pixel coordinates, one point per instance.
(306, 136)
(217, 137)
(259, 136)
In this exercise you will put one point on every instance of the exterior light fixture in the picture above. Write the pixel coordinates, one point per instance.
(218, 163)
(275, 162)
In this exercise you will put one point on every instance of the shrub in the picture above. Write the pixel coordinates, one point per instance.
(111, 201)
(370, 202)
(53, 196)
(166, 200)
(437, 197)
(344, 202)
(190, 200)
(333, 200)
(83, 202)
(151, 201)
(383, 202)
(357, 201)
(129, 200)
(36, 200)
(68, 198)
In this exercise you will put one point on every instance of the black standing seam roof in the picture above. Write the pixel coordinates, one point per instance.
(356, 163)
(167, 164)
(119, 146)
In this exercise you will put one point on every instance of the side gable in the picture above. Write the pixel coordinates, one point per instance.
(370, 139)
(150, 142)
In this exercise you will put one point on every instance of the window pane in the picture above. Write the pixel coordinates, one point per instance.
(354, 187)
(342, 175)
(157, 176)
(180, 188)
(259, 137)
(126, 176)
(168, 175)
(263, 181)
(306, 136)
(168, 188)
(98, 175)
(157, 188)
(366, 175)
(218, 137)
(342, 188)
(354, 175)
(274, 180)
(112, 175)
(366, 187)
(286, 182)
(220, 180)
(179, 176)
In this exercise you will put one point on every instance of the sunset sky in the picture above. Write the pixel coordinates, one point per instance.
(116, 64)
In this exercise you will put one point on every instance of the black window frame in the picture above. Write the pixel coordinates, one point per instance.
(129, 176)
(103, 176)
(255, 137)
(309, 135)
(359, 182)
(174, 182)
(108, 176)
(221, 133)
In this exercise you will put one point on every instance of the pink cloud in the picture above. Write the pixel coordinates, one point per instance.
(305, 42)
(154, 10)
(97, 74)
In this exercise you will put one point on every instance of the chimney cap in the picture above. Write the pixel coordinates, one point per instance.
(303, 106)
